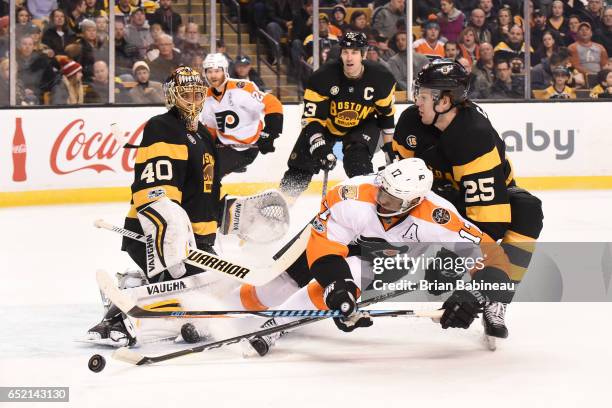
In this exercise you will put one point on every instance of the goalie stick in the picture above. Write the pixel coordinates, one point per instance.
(128, 306)
(210, 262)
(132, 357)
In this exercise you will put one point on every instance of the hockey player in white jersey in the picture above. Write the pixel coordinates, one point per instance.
(237, 113)
(396, 205)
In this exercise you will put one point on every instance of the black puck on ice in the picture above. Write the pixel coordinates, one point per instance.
(189, 333)
(96, 363)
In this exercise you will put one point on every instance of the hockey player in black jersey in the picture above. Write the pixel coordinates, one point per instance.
(349, 100)
(467, 156)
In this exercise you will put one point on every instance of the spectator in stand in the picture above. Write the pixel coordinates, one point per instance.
(477, 21)
(603, 89)
(451, 50)
(559, 88)
(166, 61)
(123, 10)
(76, 15)
(604, 35)
(279, 16)
(422, 9)
(594, 14)
(325, 38)
(451, 20)
(506, 85)
(484, 70)
(541, 74)
(146, 91)
(359, 23)
(469, 46)
(587, 56)
(514, 47)
(137, 32)
(4, 82)
(126, 54)
(93, 9)
(41, 9)
(538, 29)
(430, 45)
(33, 70)
(167, 18)
(4, 39)
(196, 64)
(385, 17)
(244, 70)
(338, 16)
(98, 87)
(92, 49)
(572, 35)
(372, 54)
(24, 24)
(547, 48)
(399, 62)
(191, 45)
(573, 7)
(382, 46)
(222, 49)
(489, 11)
(58, 35)
(102, 27)
(504, 22)
(36, 35)
(558, 22)
(69, 90)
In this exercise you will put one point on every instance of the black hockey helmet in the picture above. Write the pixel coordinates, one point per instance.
(354, 41)
(444, 75)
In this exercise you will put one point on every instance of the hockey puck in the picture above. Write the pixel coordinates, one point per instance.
(96, 363)
(189, 333)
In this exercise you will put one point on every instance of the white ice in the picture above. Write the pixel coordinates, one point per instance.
(558, 354)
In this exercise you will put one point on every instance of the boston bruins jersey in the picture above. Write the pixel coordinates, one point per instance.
(336, 103)
(470, 156)
(182, 165)
(235, 116)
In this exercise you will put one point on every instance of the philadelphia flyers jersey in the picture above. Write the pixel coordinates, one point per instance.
(181, 165)
(239, 114)
(337, 103)
(470, 156)
(348, 213)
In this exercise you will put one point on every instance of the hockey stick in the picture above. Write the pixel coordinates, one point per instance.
(132, 357)
(209, 262)
(128, 306)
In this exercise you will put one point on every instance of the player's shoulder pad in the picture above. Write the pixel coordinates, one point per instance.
(376, 69)
(361, 188)
(163, 128)
(481, 131)
(326, 76)
(243, 84)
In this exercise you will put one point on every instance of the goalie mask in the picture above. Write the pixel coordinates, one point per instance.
(185, 90)
(402, 186)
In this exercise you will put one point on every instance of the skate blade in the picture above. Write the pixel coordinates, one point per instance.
(102, 342)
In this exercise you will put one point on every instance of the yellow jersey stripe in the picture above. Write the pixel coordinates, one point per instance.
(204, 228)
(312, 96)
(161, 149)
(333, 129)
(512, 236)
(403, 152)
(489, 213)
(132, 212)
(142, 197)
(485, 162)
(388, 100)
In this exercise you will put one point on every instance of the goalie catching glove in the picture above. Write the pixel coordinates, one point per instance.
(169, 236)
(260, 218)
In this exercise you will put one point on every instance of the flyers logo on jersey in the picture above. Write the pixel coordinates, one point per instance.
(226, 120)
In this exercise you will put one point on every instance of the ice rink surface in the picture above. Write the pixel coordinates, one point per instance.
(558, 354)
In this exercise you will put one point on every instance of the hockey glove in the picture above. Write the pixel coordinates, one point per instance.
(321, 151)
(358, 319)
(435, 272)
(266, 142)
(461, 308)
(389, 153)
(340, 295)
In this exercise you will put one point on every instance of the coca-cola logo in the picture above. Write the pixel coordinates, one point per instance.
(74, 147)
(20, 149)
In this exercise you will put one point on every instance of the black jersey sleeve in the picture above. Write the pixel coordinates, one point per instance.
(402, 145)
(478, 169)
(160, 165)
(316, 101)
(385, 98)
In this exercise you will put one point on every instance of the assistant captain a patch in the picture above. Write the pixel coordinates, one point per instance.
(441, 216)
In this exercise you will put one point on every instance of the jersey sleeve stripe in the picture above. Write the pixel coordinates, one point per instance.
(204, 228)
(388, 100)
(272, 104)
(315, 293)
(319, 246)
(424, 211)
(161, 149)
(403, 152)
(249, 299)
(141, 197)
(246, 140)
(486, 162)
(312, 96)
(489, 213)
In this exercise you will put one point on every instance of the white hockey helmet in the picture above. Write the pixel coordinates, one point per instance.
(402, 186)
(216, 60)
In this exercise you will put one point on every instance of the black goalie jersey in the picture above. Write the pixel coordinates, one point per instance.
(338, 104)
(181, 165)
(470, 156)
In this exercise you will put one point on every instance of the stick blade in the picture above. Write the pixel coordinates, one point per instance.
(128, 356)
